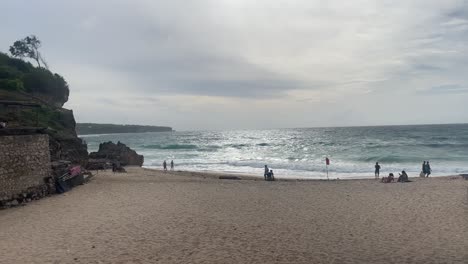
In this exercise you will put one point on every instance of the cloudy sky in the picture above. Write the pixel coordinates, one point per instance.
(224, 64)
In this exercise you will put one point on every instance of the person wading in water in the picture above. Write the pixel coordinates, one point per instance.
(377, 170)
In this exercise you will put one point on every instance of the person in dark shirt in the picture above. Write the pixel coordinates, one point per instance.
(265, 174)
(377, 170)
(428, 169)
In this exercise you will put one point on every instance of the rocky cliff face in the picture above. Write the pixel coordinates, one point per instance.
(65, 144)
(117, 152)
(25, 84)
(68, 149)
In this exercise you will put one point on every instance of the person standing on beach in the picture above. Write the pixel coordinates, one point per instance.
(377, 170)
(172, 164)
(165, 166)
(428, 169)
(266, 172)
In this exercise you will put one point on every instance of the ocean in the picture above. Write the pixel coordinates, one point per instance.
(301, 152)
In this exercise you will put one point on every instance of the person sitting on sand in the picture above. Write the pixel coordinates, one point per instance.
(403, 177)
(422, 175)
(270, 176)
(388, 179)
(266, 172)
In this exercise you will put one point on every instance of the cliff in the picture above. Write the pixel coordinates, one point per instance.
(90, 128)
(33, 97)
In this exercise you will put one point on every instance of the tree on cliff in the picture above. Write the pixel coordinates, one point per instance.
(28, 47)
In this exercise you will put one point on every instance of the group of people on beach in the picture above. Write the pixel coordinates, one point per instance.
(425, 172)
(165, 165)
(391, 178)
(268, 174)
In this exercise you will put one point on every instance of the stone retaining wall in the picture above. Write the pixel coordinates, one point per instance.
(24, 167)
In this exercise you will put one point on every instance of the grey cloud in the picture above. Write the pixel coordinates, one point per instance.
(147, 49)
(459, 11)
(447, 89)
(158, 52)
(426, 67)
(195, 74)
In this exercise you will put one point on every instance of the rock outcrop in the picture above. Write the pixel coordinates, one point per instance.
(99, 164)
(117, 152)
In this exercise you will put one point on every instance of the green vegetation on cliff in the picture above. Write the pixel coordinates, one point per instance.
(22, 77)
(21, 81)
(90, 128)
(33, 97)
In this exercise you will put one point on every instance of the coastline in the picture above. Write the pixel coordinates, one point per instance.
(246, 176)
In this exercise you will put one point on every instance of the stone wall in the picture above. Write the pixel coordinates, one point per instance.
(24, 166)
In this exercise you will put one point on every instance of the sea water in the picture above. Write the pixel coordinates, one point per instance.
(301, 152)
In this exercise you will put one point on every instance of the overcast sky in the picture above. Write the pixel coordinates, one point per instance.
(224, 64)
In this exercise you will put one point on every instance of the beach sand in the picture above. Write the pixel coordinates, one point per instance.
(146, 216)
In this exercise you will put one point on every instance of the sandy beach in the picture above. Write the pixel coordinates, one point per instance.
(146, 216)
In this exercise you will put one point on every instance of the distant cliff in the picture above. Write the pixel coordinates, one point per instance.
(90, 128)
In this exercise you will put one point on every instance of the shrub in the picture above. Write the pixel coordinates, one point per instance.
(11, 85)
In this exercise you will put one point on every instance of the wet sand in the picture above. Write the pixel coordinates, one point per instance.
(146, 216)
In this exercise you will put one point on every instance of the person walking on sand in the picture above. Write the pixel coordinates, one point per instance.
(165, 166)
(377, 170)
(172, 164)
(266, 172)
(428, 169)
